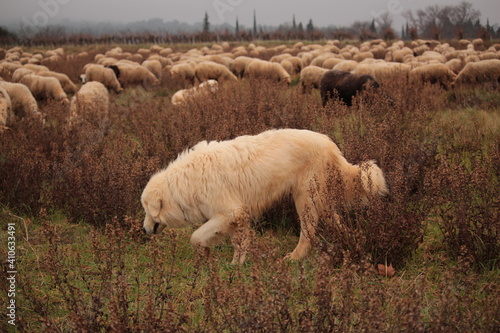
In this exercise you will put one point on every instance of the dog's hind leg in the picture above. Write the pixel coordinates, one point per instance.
(304, 203)
(241, 236)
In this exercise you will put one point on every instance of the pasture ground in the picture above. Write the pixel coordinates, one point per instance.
(83, 264)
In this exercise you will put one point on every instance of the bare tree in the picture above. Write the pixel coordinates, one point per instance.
(463, 13)
(442, 21)
(384, 21)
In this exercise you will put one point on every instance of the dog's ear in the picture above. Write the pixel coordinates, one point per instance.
(154, 207)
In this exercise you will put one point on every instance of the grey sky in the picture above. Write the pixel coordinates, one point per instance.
(268, 12)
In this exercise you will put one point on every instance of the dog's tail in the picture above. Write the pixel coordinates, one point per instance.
(372, 179)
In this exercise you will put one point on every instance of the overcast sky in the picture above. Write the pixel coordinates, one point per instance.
(268, 12)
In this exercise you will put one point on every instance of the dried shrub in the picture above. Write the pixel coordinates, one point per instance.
(467, 206)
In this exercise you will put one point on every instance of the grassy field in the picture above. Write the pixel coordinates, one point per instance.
(84, 265)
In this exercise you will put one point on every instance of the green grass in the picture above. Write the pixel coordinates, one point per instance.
(106, 267)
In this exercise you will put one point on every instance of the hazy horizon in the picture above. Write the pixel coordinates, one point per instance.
(336, 13)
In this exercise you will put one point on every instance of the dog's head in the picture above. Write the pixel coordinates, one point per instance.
(372, 179)
(160, 208)
(153, 205)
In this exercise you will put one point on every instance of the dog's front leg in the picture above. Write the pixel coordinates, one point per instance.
(210, 233)
(235, 225)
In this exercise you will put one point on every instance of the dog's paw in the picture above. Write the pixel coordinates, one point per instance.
(291, 257)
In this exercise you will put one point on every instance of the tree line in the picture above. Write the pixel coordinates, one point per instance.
(433, 22)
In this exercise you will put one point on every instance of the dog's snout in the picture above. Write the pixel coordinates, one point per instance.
(155, 228)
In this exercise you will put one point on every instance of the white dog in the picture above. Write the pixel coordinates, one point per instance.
(226, 184)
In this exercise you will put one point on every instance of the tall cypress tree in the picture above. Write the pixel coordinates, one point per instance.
(373, 28)
(206, 24)
(310, 26)
(254, 23)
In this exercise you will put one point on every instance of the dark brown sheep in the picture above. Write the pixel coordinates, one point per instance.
(344, 85)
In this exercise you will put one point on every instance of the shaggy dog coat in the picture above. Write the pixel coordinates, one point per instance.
(345, 84)
(226, 184)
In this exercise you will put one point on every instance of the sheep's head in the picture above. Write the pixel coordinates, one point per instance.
(64, 101)
(151, 81)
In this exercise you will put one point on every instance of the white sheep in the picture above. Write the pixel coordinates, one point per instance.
(434, 73)
(208, 70)
(267, 70)
(455, 65)
(359, 57)
(484, 71)
(164, 61)
(220, 59)
(429, 56)
(182, 95)
(45, 88)
(280, 57)
(310, 77)
(8, 68)
(321, 58)
(398, 55)
(36, 68)
(23, 102)
(381, 70)
(331, 62)
(154, 66)
(346, 66)
(19, 73)
(293, 65)
(184, 72)
(239, 64)
(105, 75)
(67, 85)
(6, 114)
(135, 74)
(90, 104)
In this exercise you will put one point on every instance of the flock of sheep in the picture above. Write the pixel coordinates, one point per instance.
(25, 78)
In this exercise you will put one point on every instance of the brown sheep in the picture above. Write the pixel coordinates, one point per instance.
(345, 85)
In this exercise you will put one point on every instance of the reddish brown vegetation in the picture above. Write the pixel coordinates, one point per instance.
(97, 176)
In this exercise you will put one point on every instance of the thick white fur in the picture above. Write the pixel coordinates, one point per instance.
(225, 184)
